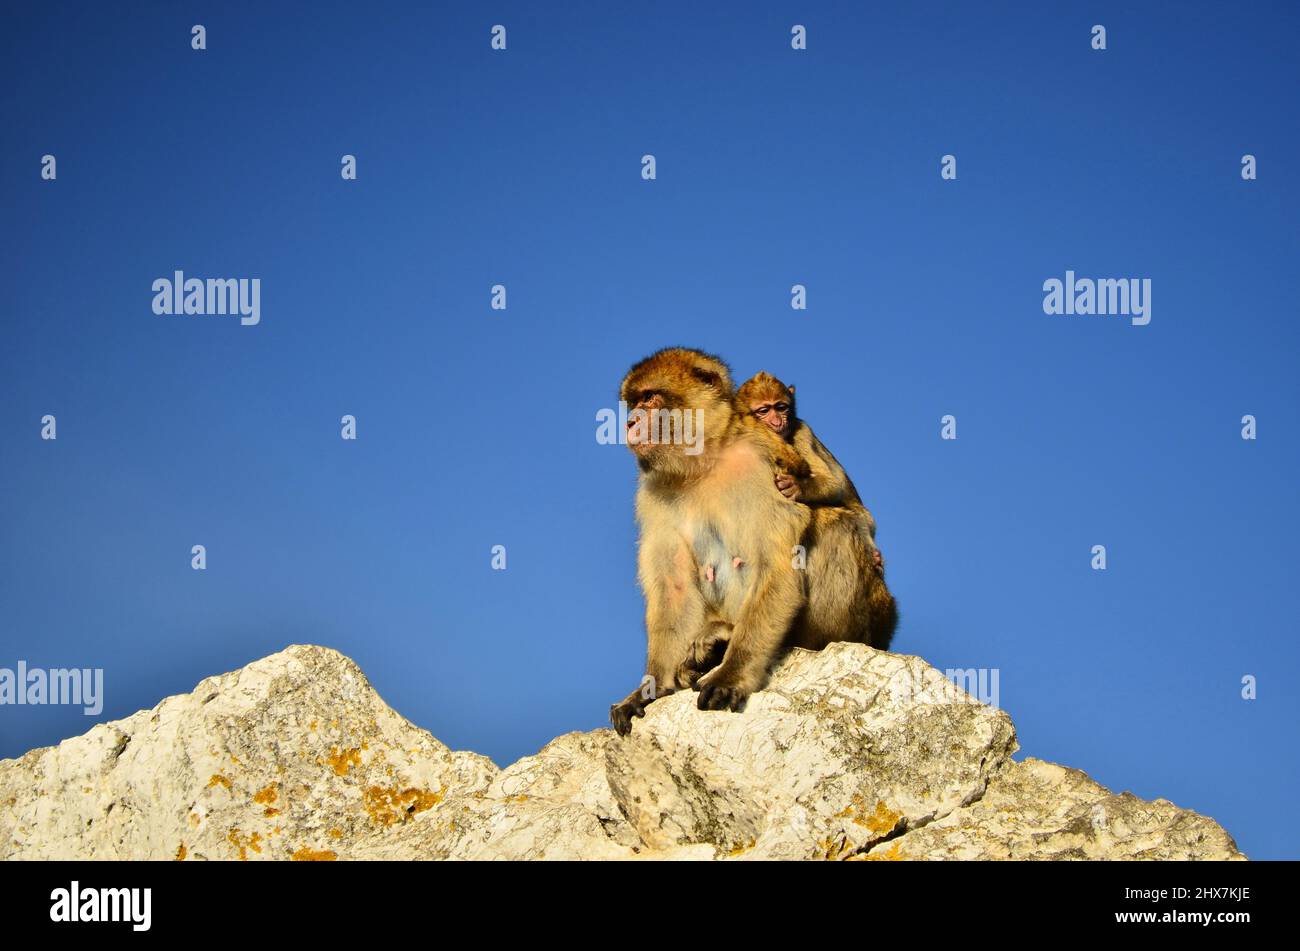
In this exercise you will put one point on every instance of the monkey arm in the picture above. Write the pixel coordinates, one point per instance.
(675, 609)
(827, 482)
(789, 459)
(674, 615)
(781, 454)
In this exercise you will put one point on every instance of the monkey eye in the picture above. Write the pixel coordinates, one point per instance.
(781, 407)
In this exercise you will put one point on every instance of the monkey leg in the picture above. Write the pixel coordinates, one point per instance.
(848, 599)
(706, 653)
(756, 641)
(676, 619)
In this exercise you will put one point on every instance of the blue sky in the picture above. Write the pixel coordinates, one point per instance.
(477, 427)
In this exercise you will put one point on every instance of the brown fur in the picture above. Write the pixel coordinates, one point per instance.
(715, 562)
(847, 595)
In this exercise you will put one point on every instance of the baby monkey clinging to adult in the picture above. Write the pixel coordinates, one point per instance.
(825, 483)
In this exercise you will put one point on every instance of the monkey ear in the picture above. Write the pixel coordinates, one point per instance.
(707, 377)
(791, 389)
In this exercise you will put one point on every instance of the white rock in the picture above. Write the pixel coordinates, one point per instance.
(295, 755)
(849, 753)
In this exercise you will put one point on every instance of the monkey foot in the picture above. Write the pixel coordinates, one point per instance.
(720, 695)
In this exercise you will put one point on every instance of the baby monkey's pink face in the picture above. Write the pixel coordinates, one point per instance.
(774, 414)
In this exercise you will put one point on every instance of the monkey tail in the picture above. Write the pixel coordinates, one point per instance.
(883, 612)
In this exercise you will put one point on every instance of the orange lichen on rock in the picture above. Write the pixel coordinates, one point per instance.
(834, 849)
(336, 833)
(309, 855)
(245, 842)
(218, 780)
(181, 853)
(389, 805)
(880, 821)
(266, 796)
(738, 850)
(344, 760)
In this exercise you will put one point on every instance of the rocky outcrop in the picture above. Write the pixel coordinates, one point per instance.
(850, 753)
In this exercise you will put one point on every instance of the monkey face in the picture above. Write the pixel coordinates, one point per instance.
(676, 400)
(774, 414)
(648, 410)
(768, 400)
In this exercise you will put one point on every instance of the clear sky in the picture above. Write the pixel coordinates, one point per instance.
(477, 427)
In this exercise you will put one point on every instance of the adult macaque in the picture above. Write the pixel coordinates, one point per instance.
(771, 402)
(724, 590)
(716, 535)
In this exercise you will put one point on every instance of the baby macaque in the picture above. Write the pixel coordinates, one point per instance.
(771, 402)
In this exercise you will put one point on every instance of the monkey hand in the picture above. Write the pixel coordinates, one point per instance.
(723, 689)
(633, 705)
(787, 486)
(621, 714)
